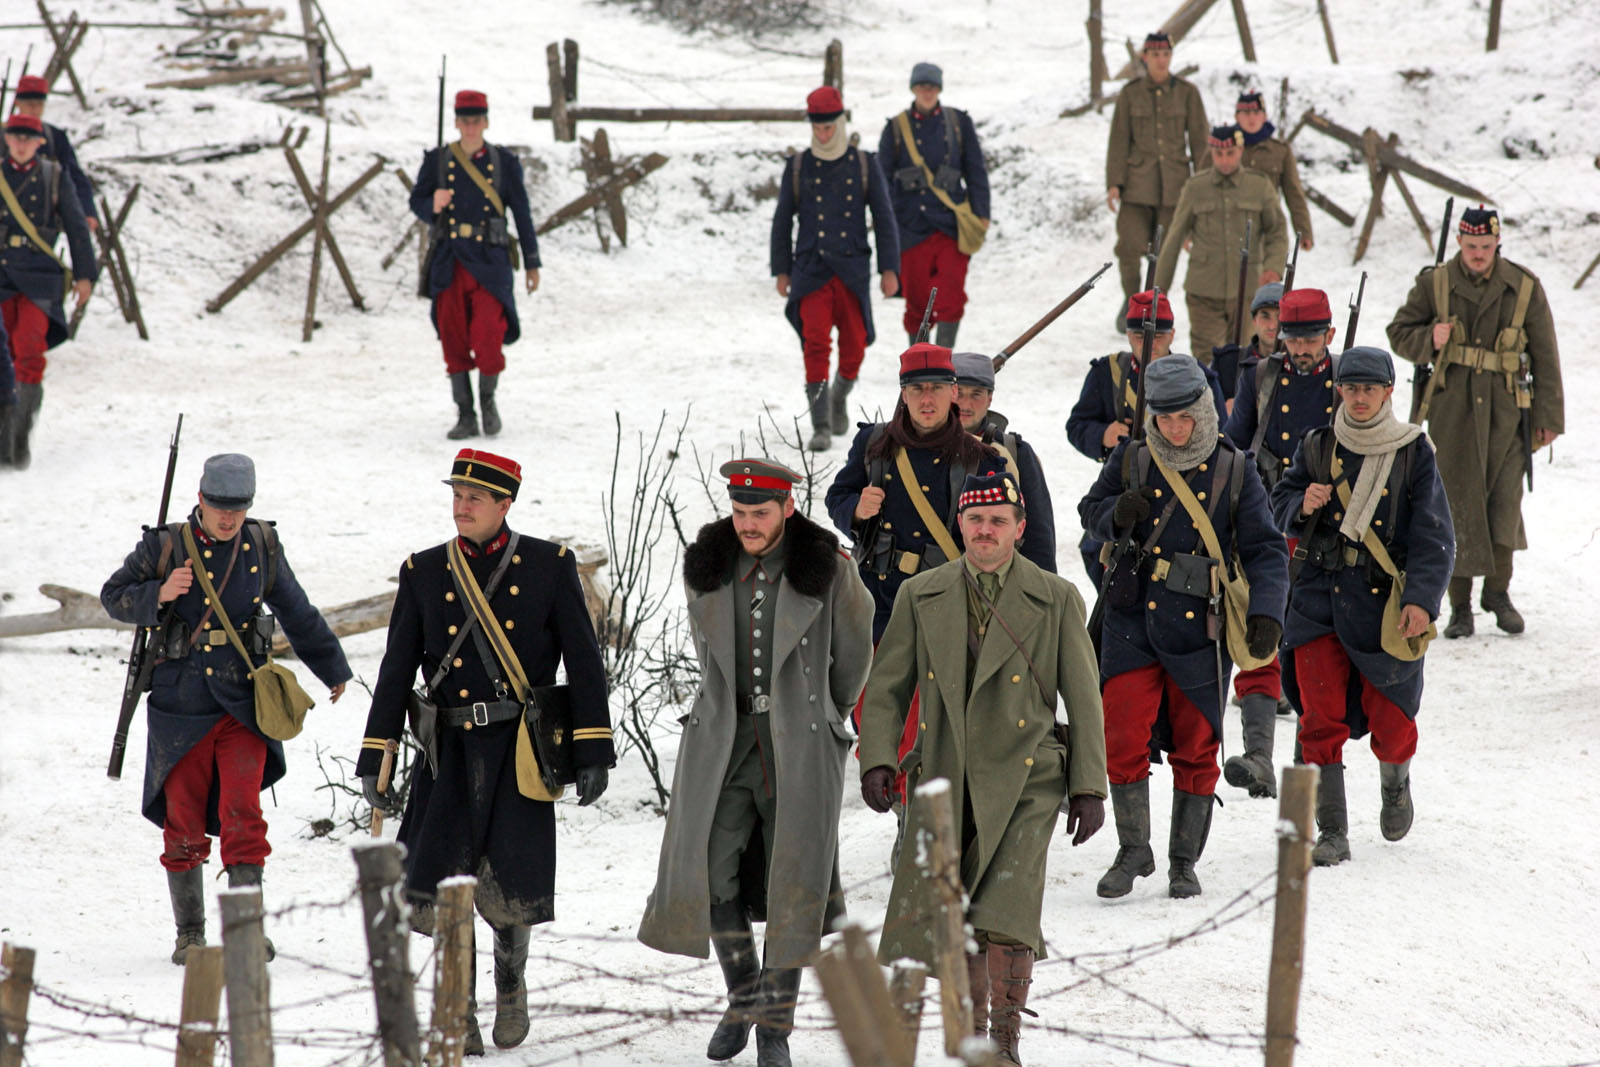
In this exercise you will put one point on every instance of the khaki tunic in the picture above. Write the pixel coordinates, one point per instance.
(996, 746)
(1275, 159)
(1213, 210)
(1473, 417)
(1147, 156)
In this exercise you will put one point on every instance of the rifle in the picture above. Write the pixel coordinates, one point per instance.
(1525, 414)
(5, 84)
(1423, 371)
(1294, 262)
(1150, 259)
(1052, 315)
(436, 231)
(927, 317)
(1146, 346)
(140, 662)
(1244, 278)
(1355, 313)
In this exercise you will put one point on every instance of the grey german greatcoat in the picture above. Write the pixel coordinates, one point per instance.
(822, 649)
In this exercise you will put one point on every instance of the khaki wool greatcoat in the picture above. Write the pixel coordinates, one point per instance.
(1212, 210)
(996, 746)
(1275, 159)
(1158, 138)
(1473, 417)
(822, 646)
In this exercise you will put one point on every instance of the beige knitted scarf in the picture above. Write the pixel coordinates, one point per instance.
(836, 144)
(1376, 441)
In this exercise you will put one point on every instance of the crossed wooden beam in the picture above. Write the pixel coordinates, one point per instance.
(114, 265)
(322, 208)
(66, 37)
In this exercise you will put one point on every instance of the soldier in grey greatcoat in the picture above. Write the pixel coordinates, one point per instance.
(782, 626)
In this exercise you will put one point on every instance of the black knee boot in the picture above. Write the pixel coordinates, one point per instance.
(491, 414)
(741, 971)
(30, 398)
(187, 889)
(1253, 770)
(1130, 805)
(466, 418)
(779, 990)
(510, 986)
(1191, 825)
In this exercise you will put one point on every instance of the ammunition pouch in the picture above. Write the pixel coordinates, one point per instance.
(495, 233)
(876, 553)
(422, 715)
(947, 178)
(1121, 584)
(1187, 574)
(911, 179)
(909, 563)
(173, 642)
(1323, 550)
(258, 633)
(1270, 469)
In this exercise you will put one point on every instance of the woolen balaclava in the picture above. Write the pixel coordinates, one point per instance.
(1202, 442)
(834, 148)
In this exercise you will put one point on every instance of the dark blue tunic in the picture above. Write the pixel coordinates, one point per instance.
(899, 515)
(24, 268)
(1169, 627)
(467, 219)
(189, 695)
(58, 146)
(918, 211)
(1298, 402)
(470, 818)
(1417, 532)
(832, 241)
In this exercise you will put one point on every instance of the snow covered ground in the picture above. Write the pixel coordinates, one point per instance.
(1474, 941)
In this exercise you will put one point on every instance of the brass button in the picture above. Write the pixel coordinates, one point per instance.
(1021, 723)
(924, 726)
(208, 553)
(1374, 591)
(1200, 496)
(463, 694)
(1016, 677)
(511, 624)
(210, 575)
(1151, 605)
(1202, 466)
(467, 725)
(514, 590)
(1377, 522)
(924, 489)
(1285, 437)
(452, 631)
(1156, 550)
(457, 662)
(516, 559)
(1285, 409)
(1028, 762)
(209, 671)
(1385, 493)
(247, 546)
(1188, 614)
(1158, 492)
(452, 596)
(930, 674)
(252, 570)
(1285, 381)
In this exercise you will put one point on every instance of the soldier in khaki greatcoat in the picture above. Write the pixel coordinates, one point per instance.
(1158, 139)
(1213, 210)
(1275, 159)
(1484, 324)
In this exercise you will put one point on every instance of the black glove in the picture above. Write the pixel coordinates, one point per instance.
(388, 802)
(1132, 506)
(592, 782)
(1085, 815)
(877, 789)
(1262, 634)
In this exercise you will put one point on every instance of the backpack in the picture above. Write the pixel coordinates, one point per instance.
(265, 533)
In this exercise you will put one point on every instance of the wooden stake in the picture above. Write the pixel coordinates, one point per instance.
(1327, 30)
(1097, 59)
(452, 983)
(313, 199)
(202, 999)
(1317, 198)
(875, 996)
(1283, 103)
(1179, 23)
(624, 178)
(1378, 177)
(316, 54)
(569, 70)
(385, 769)
(319, 219)
(1242, 21)
(1494, 27)
(833, 64)
(1298, 800)
(1593, 263)
(244, 964)
(563, 125)
(15, 989)
(59, 38)
(1390, 157)
(943, 871)
(379, 873)
(417, 227)
(906, 983)
(863, 1036)
(1411, 203)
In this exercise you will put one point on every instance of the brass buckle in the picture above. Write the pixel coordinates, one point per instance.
(464, 230)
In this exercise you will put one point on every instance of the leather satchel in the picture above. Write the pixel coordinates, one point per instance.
(548, 715)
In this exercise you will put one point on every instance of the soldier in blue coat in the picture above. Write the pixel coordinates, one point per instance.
(1103, 415)
(974, 393)
(1163, 673)
(464, 191)
(1230, 361)
(467, 811)
(32, 92)
(930, 254)
(823, 272)
(31, 276)
(1282, 395)
(207, 760)
(1367, 474)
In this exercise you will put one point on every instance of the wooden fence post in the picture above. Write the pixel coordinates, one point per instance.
(1097, 58)
(1327, 30)
(833, 64)
(17, 987)
(202, 998)
(569, 70)
(865, 1038)
(244, 964)
(1299, 799)
(564, 128)
(379, 873)
(1493, 41)
(1247, 42)
(452, 982)
(319, 215)
(943, 872)
(905, 991)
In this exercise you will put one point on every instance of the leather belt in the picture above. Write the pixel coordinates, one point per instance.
(760, 704)
(480, 714)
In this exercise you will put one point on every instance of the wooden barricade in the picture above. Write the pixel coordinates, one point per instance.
(16, 987)
(379, 875)
(202, 999)
(1295, 836)
(244, 966)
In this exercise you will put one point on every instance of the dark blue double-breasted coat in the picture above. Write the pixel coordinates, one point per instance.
(919, 212)
(1298, 403)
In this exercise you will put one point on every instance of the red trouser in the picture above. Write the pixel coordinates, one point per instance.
(1268, 679)
(28, 327)
(1323, 670)
(471, 321)
(933, 261)
(234, 758)
(1132, 700)
(820, 311)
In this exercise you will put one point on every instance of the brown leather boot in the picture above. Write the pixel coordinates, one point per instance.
(1010, 975)
(978, 980)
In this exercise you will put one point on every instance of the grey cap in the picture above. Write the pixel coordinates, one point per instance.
(1364, 365)
(1268, 296)
(229, 481)
(973, 368)
(926, 73)
(1172, 383)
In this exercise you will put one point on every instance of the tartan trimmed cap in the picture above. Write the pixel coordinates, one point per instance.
(824, 104)
(984, 490)
(1225, 136)
(471, 102)
(1139, 307)
(926, 363)
(20, 125)
(1249, 101)
(32, 87)
(1173, 383)
(1363, 365)
(486, 471)
(756, 479)
(1479, 221)
(228, 481)
(1304, 313)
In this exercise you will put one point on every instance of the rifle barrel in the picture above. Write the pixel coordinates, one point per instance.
(1050, 316)
(1146, 345)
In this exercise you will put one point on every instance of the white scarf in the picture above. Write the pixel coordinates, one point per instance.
(1376, 440)
(835, 147)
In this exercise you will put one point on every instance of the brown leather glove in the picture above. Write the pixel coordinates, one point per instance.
(877, 788)
(1085, 815)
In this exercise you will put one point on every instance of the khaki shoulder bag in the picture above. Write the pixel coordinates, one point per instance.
(1407, 649)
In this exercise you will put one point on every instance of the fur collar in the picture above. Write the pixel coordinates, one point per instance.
(810, 556)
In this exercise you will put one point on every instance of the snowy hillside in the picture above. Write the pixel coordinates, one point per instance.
(1474, 941)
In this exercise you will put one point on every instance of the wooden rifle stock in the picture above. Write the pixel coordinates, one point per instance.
(1423, 371)
(1294, 263)
(1150, 259)
(927, 317)
(1050, 316)
(1355, 313)
(1146, 346)
(140, 662)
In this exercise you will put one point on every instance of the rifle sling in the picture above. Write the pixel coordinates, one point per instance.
(471, 171)
(26, 223)
(478, 603)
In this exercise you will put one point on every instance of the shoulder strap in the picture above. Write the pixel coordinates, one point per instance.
(861, 157)
(795, 171)
(215, 602)
(494, 165)
(488, 625)
(477, 177)
(1197, 514)
(1369, 540)
(21, 216)
(994, 613)
(1009, 452)
(952, 134)
(1235, 486)
(169, 537)
(1524, 296)
(268, 538)
(919, 500)
(1266, 389)
(1121, 366)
